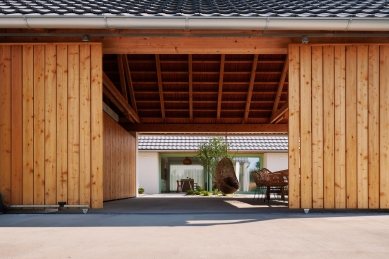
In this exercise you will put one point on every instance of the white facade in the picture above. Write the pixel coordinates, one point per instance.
(275, 161)
(148, 172)
(149, 177)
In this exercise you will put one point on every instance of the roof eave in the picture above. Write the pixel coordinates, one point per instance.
(194, 23)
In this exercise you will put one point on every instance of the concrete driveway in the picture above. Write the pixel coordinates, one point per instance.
(187, 232)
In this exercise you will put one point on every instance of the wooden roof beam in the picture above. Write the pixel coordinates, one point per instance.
(190, 66)
(122, 77)
(130, 84)
(160, 87)
(280, 86)
(276, 117)
(206, 128)
(251, 87)
(119, 98)
(220, 92)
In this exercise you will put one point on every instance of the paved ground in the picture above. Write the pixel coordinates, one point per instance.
(195, 228)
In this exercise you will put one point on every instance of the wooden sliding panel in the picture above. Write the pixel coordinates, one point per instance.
(362, 125)
(329, 126)
(384, 127)
(340, 127)
(51, 125)
(46, 123)
(294, 130)
(39, 124)
(305, 127)
(317, 127)
(96, 127)
(374, 120)
(5, 123)
(73, 125)
(119, 165)
(106, 158)
(85, 124)
(62, 123)
(28, 125)
(17, 122)
(351, 126)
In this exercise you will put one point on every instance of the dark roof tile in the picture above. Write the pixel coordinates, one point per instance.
(248, 8)
(174, 142)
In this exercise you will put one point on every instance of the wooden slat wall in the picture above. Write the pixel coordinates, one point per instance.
(119, 161)
(346, 126)
(46, 124)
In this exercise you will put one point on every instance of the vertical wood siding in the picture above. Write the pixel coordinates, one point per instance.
(119, 161)
(46, 124)
(345, 125)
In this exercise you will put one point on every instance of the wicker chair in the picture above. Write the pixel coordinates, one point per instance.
(225, 176)
(260, 187)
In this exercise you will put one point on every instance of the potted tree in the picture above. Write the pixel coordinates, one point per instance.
(209, 154)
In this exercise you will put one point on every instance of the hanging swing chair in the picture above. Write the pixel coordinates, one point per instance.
(226, 177)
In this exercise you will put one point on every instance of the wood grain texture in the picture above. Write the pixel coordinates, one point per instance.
(73, 124)
(62, 123)
(362, 126)
(85, 124)
(340, 127)
(107, 157)
(96, 127)
(251, 88)
(5, 123)
(39, 124)
(17, 124)
(50, 124)
(294, 119)
(28, 125)
(119, 161)
(351, 127)
(190, 71)
(306, 126)
(374, 127)
(317, 127)
(384, 127)
(329, 127)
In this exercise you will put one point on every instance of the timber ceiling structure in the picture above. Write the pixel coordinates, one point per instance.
(196, 63)
(198, 88)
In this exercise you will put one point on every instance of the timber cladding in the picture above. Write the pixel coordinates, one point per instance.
(119, 161)
(51, 124)
(339, 126)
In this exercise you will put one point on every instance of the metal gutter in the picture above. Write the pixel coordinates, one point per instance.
(192, 23)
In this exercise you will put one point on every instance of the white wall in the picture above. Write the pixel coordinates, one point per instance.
(148, 171)
(276, 161)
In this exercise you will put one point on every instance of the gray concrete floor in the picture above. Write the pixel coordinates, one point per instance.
(187, 227)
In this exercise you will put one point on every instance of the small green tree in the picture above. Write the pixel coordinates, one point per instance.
(209, 154)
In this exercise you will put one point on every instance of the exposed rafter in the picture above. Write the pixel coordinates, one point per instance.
(190, 67)
(160, 86)
(129, 80)
(119, 98)
(280, 86)
(220, 93)
(251, 87)
(122, 77)
(277, 117)
(206, 128)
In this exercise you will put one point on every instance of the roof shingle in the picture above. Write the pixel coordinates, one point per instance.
(228, 8)
(189, 143)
